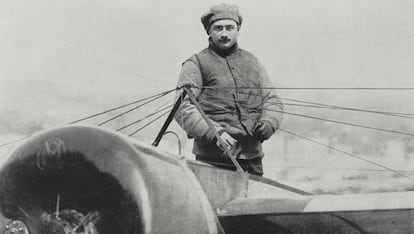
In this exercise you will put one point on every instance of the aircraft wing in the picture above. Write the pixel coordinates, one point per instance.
(367, 213)
(260, 205)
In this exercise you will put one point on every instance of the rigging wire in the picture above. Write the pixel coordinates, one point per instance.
(132, 109)
(322, 106)
(98, 114)
(327, 106)
(350, 109)
(144, 118)
(396, 114)
(310, 88)
(154, 97)
(155, 111)
(119, 107)
(13, 141)
(347, 153)
(332, 106)
(323, 119)
(300, 88)
(343, 123)
(152, 121)
(335, 149)
(399, 114)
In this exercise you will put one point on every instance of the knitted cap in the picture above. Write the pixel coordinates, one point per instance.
(219, 12)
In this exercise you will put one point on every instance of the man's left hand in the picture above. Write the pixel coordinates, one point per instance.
(263, 130)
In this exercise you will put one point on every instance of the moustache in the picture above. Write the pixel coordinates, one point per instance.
(224, 40)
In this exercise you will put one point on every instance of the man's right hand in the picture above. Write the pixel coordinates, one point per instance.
(263, 130)
(228, 140)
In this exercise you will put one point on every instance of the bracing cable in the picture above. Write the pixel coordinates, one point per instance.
(14, 141)
(119, 107)
(155, 111)
(338, 150)
(144, 118)
(299, 88)
(327, 106)
(346, 153)
(343, 123)
(98, 114)
(152, 121)
(132, 109)
(312, 88)
(326, 120)
(348, 109)
(399, 114)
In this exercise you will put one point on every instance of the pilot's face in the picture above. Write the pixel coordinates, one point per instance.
(224, 33)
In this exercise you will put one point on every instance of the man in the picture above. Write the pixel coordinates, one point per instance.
(233, 89)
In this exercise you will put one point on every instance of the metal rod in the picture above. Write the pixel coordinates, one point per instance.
(212, 128)
(178, 141)
(169, 119)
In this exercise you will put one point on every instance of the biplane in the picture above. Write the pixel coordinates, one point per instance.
(86, 179)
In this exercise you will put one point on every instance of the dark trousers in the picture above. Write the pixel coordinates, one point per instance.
(253, 166)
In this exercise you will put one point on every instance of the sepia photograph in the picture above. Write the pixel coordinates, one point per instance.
(241, 116)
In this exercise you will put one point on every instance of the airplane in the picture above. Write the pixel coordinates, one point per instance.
(87, 179)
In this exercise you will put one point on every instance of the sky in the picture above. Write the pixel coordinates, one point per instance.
(63, 60)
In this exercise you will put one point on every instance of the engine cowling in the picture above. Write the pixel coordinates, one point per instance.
(81, 179)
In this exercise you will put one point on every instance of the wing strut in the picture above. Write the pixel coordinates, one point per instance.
(167, 122)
